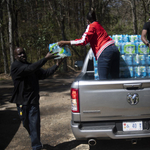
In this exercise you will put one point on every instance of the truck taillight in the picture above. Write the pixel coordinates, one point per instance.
(75, 100)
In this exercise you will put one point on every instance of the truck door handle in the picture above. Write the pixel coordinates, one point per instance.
(132, 86)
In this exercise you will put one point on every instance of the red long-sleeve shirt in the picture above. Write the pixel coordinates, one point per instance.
(98, 38)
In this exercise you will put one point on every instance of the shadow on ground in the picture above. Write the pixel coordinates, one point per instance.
(142, 144)
(104, 145)
(9, 125)
(64, 146)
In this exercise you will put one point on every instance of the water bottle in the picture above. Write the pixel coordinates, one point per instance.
(54, 47)
(136, 59)
(131, 71)
(128, 59)
(125, 38)
(129, 48)
(113, 37)
(120, 38)
(136, 38)
(96, 73)
(139, 38)
(142, 48)
(143, 71)
(148, 71)
(133, 38)
(122, 47)
(95, 62)
(142, 59)
(147, 59)
(136, 47)
(96, 76)
(137, 71)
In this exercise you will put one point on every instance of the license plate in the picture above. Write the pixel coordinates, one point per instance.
(132, 126)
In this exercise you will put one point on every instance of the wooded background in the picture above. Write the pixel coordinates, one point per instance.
(34, 24)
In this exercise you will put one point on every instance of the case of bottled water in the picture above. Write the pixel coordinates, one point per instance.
(62, 51)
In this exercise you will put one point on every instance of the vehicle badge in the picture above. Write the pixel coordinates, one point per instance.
(132, 98)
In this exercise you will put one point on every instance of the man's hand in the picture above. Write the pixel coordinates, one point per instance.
(51, 55)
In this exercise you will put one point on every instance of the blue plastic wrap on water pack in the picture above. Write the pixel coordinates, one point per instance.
(96, 76)
(62, 51)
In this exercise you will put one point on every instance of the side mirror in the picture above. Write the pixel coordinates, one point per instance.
(78, 64)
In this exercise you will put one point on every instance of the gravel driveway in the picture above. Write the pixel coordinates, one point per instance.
(55, 121)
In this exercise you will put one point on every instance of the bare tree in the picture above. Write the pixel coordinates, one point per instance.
(9, 4)
(6, 68)
(146, 9)
(134, 18)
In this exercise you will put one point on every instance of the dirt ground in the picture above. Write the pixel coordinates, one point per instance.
(55, 115)
(55, 109)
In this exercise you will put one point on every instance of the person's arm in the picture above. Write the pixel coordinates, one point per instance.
(43, 74)
(86, 37)
(63, 43)
(26, 69)
(143, 37)
(144, 34)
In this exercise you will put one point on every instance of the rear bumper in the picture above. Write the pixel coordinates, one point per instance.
(105, 131)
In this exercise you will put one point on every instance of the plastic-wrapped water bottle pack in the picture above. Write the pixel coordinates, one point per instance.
(62, 51)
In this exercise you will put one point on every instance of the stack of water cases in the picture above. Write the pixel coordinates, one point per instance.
(134, 56)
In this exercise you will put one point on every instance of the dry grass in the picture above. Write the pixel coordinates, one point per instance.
(5, 76)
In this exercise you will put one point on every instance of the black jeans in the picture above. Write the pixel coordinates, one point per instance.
(30, 116)
(108, 63)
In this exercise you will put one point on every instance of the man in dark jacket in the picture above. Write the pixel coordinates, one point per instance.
(26, 78)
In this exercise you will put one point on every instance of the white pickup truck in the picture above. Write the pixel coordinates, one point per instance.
(114, 109)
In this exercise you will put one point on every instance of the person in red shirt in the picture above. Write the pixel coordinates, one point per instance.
(104, 49)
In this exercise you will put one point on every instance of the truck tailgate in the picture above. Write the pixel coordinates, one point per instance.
(114, 100)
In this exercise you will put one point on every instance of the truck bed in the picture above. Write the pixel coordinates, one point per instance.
(116, 109)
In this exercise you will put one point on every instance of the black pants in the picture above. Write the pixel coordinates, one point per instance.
(108, 63)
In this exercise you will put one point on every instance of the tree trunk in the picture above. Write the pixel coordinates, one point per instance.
(133, 7)
(134, 18)
(15, 26)
(6, 68)
(64, 38)
(10, 30)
